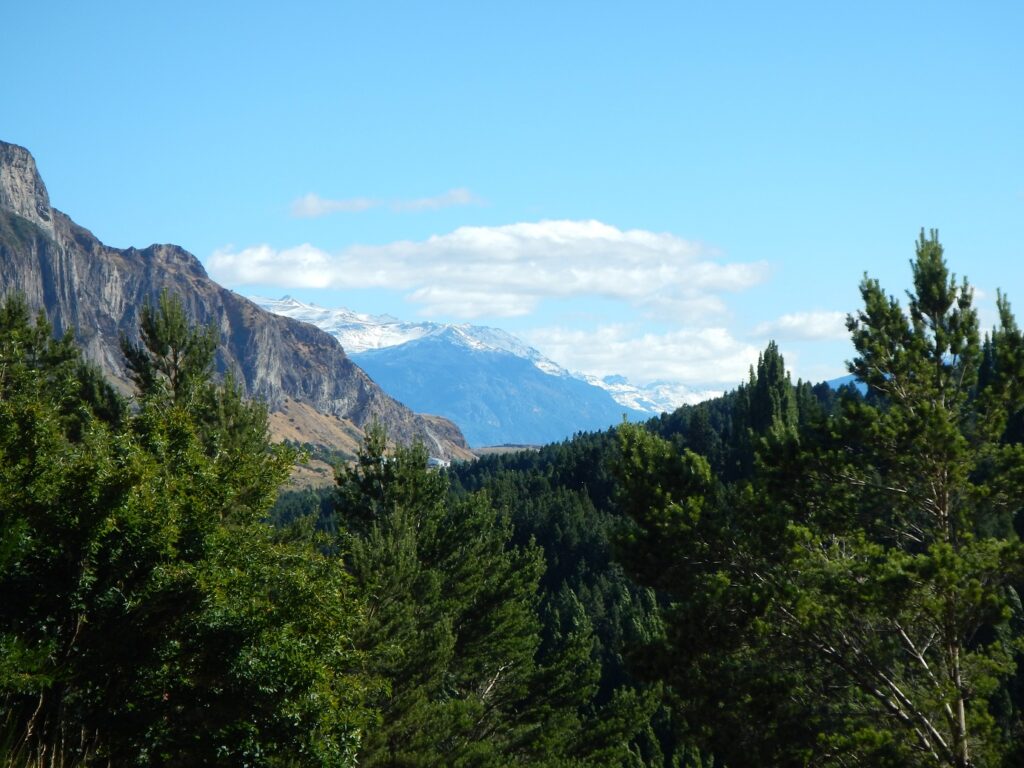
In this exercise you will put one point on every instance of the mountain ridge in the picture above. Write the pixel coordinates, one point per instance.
(97, 290)
(498, 388)
(361, 332)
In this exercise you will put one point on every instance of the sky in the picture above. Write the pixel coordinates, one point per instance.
(654, 189)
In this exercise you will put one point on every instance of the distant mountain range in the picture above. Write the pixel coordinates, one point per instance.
(654, 398)
(497, 388)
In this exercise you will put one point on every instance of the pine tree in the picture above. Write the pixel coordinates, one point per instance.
(149, 615)
(174, 357)
(909, 588)
(856, 598)
(452, 626)
(771, 395)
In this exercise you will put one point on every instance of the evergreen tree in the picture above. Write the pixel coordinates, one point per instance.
(910, 589)
(451, 621)
(734, 691)
(866, 564)
(561, 498)
(772, 400)
(149, 616)
(174, 357)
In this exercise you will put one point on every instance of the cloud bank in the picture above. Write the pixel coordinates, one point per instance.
(806, 326)
(704, 357)
(313, 206)
(507, 271)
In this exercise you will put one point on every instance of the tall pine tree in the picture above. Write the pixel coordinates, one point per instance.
(451, 623)
(872, 561)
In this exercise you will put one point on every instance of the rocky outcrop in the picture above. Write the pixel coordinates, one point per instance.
(98, 291)
(21, 189)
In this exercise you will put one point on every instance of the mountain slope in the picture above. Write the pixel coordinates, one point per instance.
(98, 291)
(359, 332)
(498, 389)
(497, 397)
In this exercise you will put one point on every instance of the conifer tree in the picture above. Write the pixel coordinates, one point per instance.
(909, 587)
(149, 616)
(452, 626)
(174, 356)
(872, 561)
(771, 396)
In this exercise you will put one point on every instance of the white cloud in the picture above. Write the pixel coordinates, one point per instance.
(312, 206)
(508, 270)
(451, 198)
(806, 326)
(304, 265)
(704, 357)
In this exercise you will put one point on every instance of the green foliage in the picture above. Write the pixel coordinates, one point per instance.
(452, 620)
(306, 506)
(782, 576)
(562, 498)
(664, 492)
(174, 358)
(149, 616)
(855, 596)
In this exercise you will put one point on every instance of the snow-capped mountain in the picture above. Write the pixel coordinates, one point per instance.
(359, 332)
(656, 397)
(497, 388)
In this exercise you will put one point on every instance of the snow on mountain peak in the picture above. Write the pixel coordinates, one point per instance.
(356, 331)
(360, 332)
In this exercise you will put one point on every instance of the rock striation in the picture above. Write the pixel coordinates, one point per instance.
(98, 292)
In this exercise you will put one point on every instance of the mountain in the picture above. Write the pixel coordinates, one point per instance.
(496, 388)
(846, 381)
(360, 332)
(496, 397)
(309, 383)
(654, 398)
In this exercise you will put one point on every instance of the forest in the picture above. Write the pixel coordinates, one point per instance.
(788, 575)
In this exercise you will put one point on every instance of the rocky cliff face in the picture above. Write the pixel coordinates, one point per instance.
(21, 189)
(98, 292)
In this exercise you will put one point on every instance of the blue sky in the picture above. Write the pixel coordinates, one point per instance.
(654, 189)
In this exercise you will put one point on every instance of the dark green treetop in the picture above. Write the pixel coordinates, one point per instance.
(872, 560)
(174, 356)
(149, 616)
